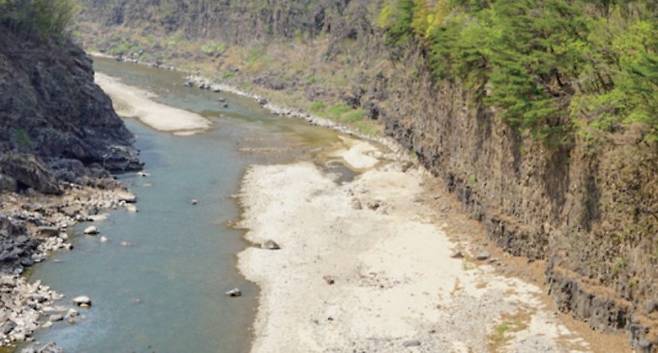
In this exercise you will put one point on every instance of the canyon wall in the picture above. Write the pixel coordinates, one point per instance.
(589, 211)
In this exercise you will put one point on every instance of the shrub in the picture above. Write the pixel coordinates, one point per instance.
(47, 18)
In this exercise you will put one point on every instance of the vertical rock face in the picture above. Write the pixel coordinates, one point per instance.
(51, 109)
(589, 211)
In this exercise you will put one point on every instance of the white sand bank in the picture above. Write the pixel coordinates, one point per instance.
(396, 287)
(136, 103)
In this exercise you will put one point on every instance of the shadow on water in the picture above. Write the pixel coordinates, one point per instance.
(164, 292)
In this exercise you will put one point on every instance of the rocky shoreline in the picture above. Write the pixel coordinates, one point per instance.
(60, 142)
(32, 227)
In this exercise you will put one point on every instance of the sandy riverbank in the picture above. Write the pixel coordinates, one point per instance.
(363, 268)
(136, 103)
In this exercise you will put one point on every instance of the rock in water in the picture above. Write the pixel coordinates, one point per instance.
(91, 230)
(194, 202)
(270, 245)
(82, 301)
(234, 293)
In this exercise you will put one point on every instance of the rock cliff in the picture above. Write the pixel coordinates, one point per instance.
(57, 124)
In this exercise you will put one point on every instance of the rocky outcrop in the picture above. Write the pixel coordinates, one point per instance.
(28, 172)
(51, 110)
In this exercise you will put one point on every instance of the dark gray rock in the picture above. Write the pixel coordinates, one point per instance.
(51, 108)
(8, 184)
(29, 172)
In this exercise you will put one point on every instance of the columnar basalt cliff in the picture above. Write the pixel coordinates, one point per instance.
(588, 210)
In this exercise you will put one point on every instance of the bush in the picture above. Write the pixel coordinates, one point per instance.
(47, 18)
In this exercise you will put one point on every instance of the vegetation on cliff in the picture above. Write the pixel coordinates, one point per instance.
(49, 18)
(549, 66)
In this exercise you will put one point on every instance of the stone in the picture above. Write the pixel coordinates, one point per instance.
(482, 256)
(7, 327)
(29, 171)
(71, 313)
(82, 301)
(234, 293)
(329, 280)
(411, 343)
(126, 197)
(262, 101)
(270, 245)
(56, 317)
(132, 208)
(194, 202)
(8, 184)
(91, 230)
(48, 231)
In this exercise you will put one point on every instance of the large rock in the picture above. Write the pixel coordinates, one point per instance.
(29, 172)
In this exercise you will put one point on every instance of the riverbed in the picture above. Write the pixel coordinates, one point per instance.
(158, 284)
(366, 263)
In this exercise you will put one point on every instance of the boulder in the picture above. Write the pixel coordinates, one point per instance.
(8, 184)
(29, 172)
(82, 301)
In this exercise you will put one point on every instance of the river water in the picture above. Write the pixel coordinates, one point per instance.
(164, 292)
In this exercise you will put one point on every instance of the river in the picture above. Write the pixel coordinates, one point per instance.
(164, 292)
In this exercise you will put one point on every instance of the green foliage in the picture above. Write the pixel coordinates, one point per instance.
(397, 17)
(213, 48)
(318, 106)
(47, 18)
(548, 66)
